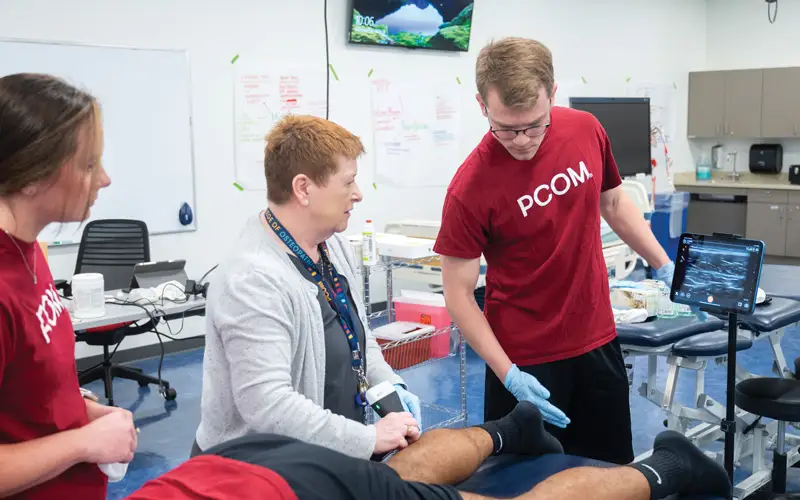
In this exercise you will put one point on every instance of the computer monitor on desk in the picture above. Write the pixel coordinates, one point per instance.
(152, 274)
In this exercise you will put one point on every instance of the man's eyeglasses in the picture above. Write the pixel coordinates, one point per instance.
(511, 134)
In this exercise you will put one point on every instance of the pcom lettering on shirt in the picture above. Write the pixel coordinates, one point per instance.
(49, 311)
(559, 185)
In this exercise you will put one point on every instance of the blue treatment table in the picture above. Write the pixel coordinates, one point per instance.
(778, 313)
(660, 334)
(508, 476)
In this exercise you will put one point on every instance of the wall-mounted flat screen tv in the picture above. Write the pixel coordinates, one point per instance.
(417, 24)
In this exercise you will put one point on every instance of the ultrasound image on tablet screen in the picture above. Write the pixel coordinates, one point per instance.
(716, 268)
(722, 274)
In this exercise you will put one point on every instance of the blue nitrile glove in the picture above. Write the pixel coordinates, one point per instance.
(524, 386)
(410, 403)
(665, 274)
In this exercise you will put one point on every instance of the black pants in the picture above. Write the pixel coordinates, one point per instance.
(317, 473)
(592, 389)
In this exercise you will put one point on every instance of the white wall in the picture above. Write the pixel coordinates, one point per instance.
(608, 40)
(740, 36)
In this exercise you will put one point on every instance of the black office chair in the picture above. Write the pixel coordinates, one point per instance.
(778, 399)
(112, 247)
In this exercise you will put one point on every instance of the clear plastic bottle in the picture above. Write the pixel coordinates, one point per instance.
(369, 247)
(703, 168)
(666, 308)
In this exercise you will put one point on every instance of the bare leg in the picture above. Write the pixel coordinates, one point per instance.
(450, 456)
(443, 456)
(619, 483)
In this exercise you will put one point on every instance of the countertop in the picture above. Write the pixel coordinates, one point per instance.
(747, 180)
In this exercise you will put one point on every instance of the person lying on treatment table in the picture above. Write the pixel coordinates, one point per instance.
(276, 467)
(288, 347)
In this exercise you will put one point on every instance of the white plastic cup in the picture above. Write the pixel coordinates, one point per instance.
(88, 292)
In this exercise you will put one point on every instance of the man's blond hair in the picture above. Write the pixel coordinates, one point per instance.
(517, 68)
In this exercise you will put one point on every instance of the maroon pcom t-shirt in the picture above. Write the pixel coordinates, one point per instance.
(39, 391)
(537, 223)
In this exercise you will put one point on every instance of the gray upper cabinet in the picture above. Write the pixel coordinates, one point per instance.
(744, 104)
(780, 112)
(706, 104)
(743, 89)
(725, 103)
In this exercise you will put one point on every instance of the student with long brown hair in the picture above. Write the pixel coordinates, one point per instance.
(51, 438)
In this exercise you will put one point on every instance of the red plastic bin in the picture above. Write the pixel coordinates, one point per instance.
(407, 350)
(409, 309)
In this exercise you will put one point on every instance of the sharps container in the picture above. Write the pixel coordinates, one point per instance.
(88, 291)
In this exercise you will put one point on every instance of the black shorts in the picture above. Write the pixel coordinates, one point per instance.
(318, 473)
(592, 389)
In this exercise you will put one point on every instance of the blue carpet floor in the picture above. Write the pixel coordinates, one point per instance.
(167, 429)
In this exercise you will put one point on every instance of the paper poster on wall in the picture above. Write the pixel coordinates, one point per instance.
(663, 100)
(416, 128)
(264, 93)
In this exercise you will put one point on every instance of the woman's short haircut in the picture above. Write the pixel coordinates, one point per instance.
(308, 145)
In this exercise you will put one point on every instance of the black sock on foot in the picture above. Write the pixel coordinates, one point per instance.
(522, 432)
(678, 466)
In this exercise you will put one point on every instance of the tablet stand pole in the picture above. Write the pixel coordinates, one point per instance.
(729, 424)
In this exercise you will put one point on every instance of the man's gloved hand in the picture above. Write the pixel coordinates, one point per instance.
(665, 274)
(525, 387)
(410, 403)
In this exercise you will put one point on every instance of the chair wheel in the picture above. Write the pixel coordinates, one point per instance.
(170, 394)
(142, 384)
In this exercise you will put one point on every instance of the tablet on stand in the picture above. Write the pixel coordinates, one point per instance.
(720, 274)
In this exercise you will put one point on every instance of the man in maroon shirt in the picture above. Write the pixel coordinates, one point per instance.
(529, 198)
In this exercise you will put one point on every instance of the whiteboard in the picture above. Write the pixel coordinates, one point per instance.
(145, 96)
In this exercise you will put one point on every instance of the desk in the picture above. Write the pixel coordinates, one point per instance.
(124, 319)
(119, 312)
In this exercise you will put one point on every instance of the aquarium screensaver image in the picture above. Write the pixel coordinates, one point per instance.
(423, 24)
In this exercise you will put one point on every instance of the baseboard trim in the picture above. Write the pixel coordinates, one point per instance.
(144, 352)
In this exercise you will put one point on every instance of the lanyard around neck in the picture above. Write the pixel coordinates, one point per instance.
(333, 293)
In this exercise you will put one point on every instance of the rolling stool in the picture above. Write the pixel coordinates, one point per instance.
(779, 399)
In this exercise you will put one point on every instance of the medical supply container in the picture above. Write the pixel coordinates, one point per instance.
(405, 343)
(88, 290)
(417, 309)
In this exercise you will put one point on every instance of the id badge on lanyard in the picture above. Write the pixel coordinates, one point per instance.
(336, 298)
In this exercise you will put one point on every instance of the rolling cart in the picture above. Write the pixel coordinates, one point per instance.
(417, 352)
